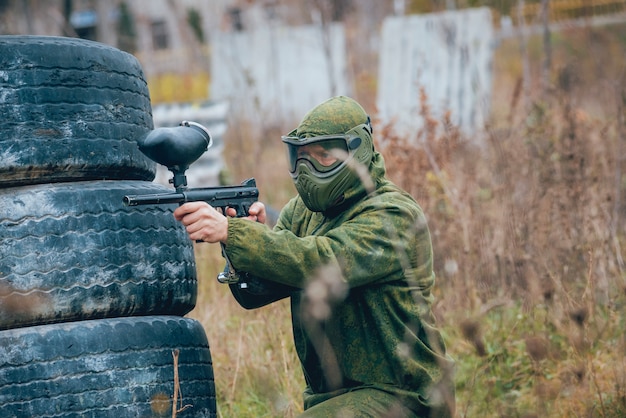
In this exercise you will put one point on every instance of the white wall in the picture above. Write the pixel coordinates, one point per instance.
(277, 74)
(205, 172)
(449, 54)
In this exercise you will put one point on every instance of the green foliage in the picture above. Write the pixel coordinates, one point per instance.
(194, 19)
(127, 34)
(503, 7)
(421, 6)
(535, 365)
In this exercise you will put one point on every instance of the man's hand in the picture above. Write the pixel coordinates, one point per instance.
(205, 223)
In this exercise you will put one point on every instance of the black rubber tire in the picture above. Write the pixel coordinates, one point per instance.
(71, 110)
(73, 251)
(106, 368)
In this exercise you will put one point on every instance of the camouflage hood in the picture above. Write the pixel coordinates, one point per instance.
(337, 117)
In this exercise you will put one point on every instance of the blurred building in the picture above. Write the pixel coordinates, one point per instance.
(171, 38)
(272, 60)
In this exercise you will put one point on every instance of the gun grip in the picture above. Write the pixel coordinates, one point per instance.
(242, 210)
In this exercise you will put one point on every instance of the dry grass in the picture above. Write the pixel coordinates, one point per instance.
(528, 231)
(256, 369)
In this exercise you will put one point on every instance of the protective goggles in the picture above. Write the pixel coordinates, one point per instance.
(323, 154)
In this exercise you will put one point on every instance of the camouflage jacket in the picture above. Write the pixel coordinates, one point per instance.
(360, 284)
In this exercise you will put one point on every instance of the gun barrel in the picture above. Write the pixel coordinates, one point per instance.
(220, 196)
(154, 199)
(238, 197)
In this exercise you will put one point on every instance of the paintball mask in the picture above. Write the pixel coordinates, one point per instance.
(323, 166)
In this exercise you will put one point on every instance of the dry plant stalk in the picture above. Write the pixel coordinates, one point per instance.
(177, 390)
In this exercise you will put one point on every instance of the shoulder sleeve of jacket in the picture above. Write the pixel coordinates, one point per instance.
(374, 241)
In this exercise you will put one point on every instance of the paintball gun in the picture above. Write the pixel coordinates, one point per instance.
(177, 148)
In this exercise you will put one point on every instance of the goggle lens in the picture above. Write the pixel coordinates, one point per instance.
(322, 153)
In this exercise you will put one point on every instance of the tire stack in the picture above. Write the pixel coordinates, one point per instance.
(92, 294)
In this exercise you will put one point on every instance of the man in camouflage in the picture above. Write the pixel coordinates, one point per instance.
(354, 254)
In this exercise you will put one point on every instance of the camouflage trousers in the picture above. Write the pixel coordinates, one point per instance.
(360, 403)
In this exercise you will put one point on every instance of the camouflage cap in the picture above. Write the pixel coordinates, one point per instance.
(336, 115)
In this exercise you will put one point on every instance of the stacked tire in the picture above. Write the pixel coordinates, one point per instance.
(92, 293)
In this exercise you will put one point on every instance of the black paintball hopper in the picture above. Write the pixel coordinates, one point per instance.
(177, 147)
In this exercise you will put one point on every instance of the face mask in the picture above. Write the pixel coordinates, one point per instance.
(320, 165)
